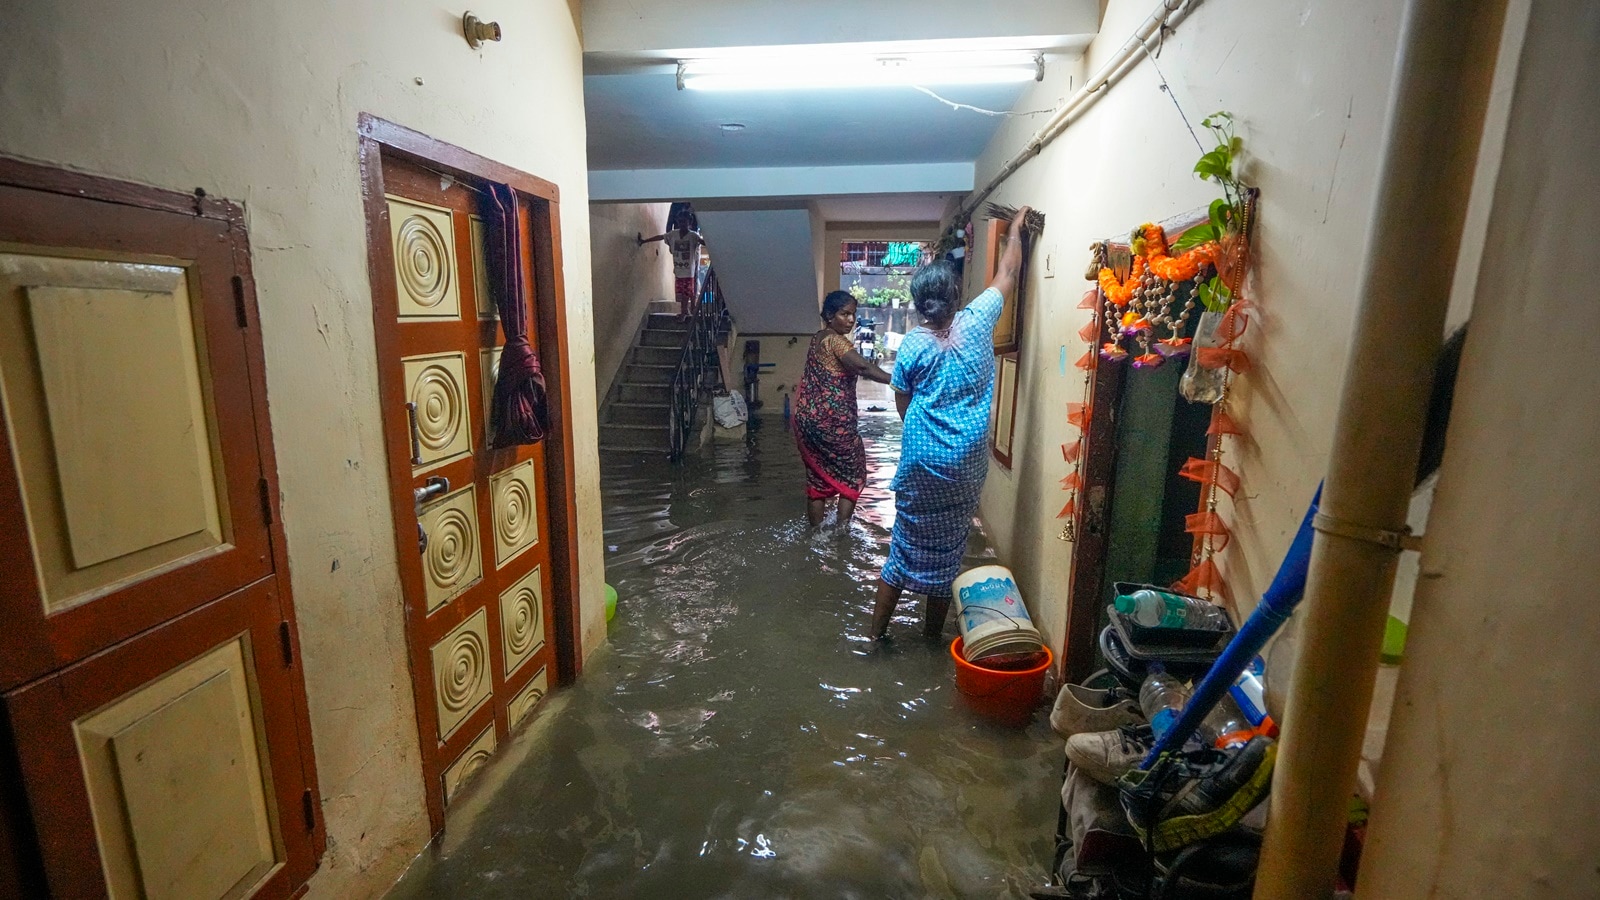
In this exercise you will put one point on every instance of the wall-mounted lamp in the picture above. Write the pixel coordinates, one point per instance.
(477, 31)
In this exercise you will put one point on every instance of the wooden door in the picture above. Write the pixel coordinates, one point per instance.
(475, 559)
(153, 705)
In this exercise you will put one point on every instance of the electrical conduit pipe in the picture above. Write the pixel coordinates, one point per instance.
(1443, 71)
(1168, 13)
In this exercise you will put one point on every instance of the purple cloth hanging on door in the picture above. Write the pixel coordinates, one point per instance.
(517, 411)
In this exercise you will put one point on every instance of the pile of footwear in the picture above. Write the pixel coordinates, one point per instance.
(1188, 825)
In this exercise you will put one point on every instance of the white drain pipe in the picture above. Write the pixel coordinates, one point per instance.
(1443, 72)
(1170, 12)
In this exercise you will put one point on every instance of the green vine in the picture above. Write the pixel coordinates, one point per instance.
(1227, 212)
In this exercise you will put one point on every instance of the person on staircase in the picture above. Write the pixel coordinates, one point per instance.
(683, 239)
(944, 384)
(825, 424)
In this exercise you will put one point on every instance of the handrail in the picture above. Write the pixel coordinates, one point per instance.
(708, 321)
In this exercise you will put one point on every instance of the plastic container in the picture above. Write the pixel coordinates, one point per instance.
(1159, 609)
(1168, 644)
(1200, 384)
(1004, 696)
(1162, 697)
(995, 626)
(611, 602)
(1226, 727)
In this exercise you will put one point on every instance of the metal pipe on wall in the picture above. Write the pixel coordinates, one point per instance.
(1168, 13)
(1443, 71)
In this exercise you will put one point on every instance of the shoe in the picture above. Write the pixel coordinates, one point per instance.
(1106, 756)
(1186, 798)
(1079, 709)
(1204, 795)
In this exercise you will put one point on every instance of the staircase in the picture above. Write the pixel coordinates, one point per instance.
(640, 406)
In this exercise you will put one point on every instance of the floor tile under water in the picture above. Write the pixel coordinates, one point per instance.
(739, 736)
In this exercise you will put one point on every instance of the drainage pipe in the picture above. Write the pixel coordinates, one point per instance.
(1169, 13)
(1442, 76)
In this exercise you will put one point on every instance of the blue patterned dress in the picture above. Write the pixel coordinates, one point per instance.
(944, 455)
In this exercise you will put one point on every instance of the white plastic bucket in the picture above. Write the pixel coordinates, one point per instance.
(994, 622)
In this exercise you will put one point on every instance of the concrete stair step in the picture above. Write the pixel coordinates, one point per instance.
(656, 355)
(633, 437)
(662, 337)
(631, 392)
(653, 414)
(647, 374)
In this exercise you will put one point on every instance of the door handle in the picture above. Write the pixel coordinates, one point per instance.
(433, 487)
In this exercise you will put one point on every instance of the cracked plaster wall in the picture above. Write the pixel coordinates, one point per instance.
(257, 103)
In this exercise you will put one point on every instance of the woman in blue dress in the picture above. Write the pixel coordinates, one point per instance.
(944, 384)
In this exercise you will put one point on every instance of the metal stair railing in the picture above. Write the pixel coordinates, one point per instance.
(699, 370)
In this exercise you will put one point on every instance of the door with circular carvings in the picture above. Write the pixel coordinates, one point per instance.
(476, 576)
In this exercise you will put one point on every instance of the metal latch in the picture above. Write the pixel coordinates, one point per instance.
(432, 488)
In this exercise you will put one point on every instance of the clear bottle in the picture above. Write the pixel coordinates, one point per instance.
(1162, 697)
(1226, 726)
(1155, 609)
(1200, 384)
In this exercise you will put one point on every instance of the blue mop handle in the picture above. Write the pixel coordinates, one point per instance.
(1287, 587)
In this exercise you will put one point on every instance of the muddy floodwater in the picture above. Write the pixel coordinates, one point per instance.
(739, 735)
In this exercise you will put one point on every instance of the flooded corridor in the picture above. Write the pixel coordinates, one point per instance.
(739, 735)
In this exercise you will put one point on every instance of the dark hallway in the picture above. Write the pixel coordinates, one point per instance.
(739, 736)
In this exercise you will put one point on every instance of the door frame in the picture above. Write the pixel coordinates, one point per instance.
(379, 138)
(1093, 518)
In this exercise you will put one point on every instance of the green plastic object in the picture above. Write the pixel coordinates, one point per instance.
(1394, 642)
(611, 603)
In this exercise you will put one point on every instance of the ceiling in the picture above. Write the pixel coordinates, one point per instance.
(642, 121)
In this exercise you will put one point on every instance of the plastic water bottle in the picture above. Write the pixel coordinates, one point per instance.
(1154, 609)
(1226, 726)
(1162, 698)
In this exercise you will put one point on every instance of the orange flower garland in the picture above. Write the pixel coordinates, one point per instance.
(1175, 268)
(1120, 292)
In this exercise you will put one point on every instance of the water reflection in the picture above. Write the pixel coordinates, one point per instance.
(739, 736)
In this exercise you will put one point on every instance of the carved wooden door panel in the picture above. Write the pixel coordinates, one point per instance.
(152, 699)
(474, 559)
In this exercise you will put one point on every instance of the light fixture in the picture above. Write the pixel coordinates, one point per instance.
(731, 127)
(842, 70)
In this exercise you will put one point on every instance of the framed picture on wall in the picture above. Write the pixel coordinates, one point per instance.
(1003, 420)
(1007, 331)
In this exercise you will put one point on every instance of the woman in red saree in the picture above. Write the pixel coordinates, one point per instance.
(825, 412)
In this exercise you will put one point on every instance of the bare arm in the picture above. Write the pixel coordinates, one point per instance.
(860, 365)
(902, 402)
(1005, 276)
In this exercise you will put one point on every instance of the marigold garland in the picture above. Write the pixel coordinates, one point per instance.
(1120, 292)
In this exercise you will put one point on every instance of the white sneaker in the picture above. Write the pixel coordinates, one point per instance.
(1106, 756)
(1079, 709)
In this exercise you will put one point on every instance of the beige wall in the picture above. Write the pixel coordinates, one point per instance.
(1491, 752)
(787, 353)
(626, 278)
(258, 103)
(1308, 85)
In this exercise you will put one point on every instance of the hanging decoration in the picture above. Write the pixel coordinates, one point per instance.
(1145, 316)
(1078, 414)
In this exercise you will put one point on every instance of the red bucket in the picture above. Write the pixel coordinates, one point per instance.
(1006, 696)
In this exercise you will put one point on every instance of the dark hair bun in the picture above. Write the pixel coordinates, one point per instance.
(935, 290)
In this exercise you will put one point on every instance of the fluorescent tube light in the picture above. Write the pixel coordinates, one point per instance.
(812, 71)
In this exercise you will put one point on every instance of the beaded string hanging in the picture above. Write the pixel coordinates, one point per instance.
(1140, 305)
(1211, 532)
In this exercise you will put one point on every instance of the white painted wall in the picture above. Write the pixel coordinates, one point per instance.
(1486, 786)
(258, 103)
(763, 260)
(626, 278)
(1309, 84)
(779, 182)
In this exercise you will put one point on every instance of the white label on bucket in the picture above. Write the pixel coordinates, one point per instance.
(993, 602)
